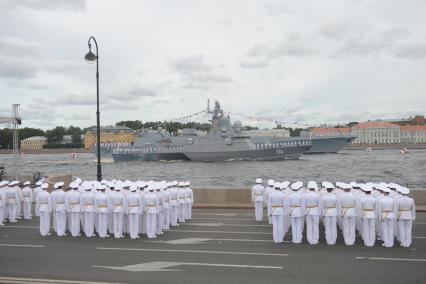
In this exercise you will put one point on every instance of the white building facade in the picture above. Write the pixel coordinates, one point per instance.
(377, 132)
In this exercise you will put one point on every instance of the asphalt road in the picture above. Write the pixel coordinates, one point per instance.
(216, 246)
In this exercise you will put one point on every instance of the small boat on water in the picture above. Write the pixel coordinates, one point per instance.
(368, 149)
(74, 155)
(404, 151)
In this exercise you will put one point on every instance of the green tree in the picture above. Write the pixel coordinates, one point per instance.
(6, 138)
(133, 124)
(56, 134)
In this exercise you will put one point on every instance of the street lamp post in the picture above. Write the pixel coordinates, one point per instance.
(91, 57)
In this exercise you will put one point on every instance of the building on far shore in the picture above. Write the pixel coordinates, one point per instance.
(33, 143)
(416, 120)
(377, 132)
(110, 135)
(413, 134)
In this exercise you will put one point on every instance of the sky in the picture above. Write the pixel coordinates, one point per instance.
(299, 62)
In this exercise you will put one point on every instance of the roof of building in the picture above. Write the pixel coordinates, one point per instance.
(331, 130)
(409, 128)
(35, 138)
(112, 129)
(375, 124)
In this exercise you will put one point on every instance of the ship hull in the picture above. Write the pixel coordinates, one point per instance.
(277, 154)
(127, 157)
(329, 145)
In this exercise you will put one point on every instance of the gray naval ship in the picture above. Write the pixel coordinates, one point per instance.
(224, 142)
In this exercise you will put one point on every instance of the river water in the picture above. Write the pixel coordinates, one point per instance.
(352, 165)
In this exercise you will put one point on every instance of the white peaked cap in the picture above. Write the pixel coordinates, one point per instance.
(44, 185)
(384, 188)
(312, 185)
(258, 180)
(277, 185)
(104, 181)
(327, 184)
(101, 186)
(73, 184)
(405, 191)
(296, 185)
(133, 188)
(181, 183)
(27, 183)
(174, 183)
(270, 182)
(39, 182)
(3, 183)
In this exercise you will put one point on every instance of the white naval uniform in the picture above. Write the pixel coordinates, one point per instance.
(329, 213)
(276, 205)
(19, 202)
(257, 194)
(166, 209)
(182, 206)
(28, 199)
(118, 210)
(150, 208)
(406, 211)
(268, 190)
(312, 203)
(189, 200)
(296, 212)
(59, 211)
(103, 208)
(88, 210)
(174, 206)
(44, 206)
(347, 212)
(160, 215)
(367, 212)
(72, 204)
(142, 217)
(386, 209)
(2, 205)
(134, 207)
(12, 203)
(37, 190)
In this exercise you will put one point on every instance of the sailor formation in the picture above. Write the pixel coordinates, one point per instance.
(108, 207)
(376, 210)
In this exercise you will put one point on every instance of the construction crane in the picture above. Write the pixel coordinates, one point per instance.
(13, 123)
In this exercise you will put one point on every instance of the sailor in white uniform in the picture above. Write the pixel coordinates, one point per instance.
(174, 209)
(296, 211)
(189, 200)
(269, 189)
(28, 199)
(150, 209)
(12, 201)
(59, 209)
(276, 204)
(44, 207)
(347, 211)
(103, 209)
(387, 212)
(118, 209)
(181, 201)
(72, 204)
(3, 200)
(406, 210)
(329, 213)
(367, 211)
(312, 203)
(257, 193)
(87, 201)
(134, 207)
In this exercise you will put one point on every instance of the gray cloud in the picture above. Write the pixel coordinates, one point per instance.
(277, 8)
(197, 74)
(413, 51)
(53, 5)
(247, 64)
(27, 85)
(17, 47)
(18, 68)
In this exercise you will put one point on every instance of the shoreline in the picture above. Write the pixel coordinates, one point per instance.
(49, 151)
(386, 146)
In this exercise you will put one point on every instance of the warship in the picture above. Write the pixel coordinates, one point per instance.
(224, 142)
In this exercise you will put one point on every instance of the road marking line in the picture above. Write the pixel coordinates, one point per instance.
(196, 251)
(227, 219)
(225, 225)
(40, 281)
(187, 241)
(25, 246)
(160, 266)
(222, 232)
(391, 259)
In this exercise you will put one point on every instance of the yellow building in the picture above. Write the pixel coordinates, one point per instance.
(110, 135)
(33, 143)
